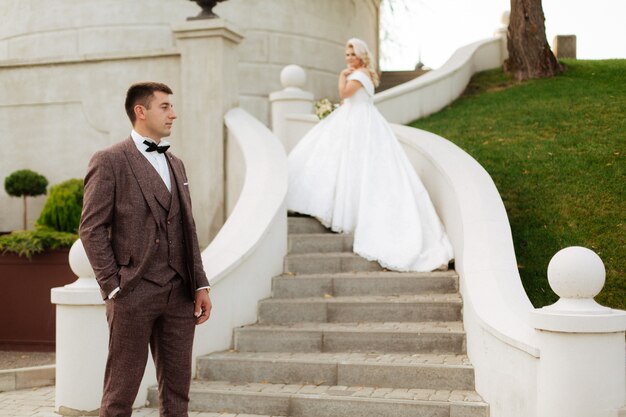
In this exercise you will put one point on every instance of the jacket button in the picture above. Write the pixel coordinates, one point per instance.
(168, 222)
(156, 241)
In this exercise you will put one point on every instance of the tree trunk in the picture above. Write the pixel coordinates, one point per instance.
(25, 213)
(529, 53)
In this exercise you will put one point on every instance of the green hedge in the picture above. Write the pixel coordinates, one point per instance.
(30, 242)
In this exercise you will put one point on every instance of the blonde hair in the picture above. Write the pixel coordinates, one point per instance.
(363, 53)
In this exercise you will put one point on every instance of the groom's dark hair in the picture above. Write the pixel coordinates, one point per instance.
(141, 93)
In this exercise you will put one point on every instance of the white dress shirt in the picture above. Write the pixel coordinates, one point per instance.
(157, 160)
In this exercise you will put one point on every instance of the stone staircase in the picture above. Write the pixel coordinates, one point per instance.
(341, 337)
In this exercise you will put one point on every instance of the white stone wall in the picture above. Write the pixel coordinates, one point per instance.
(308, 33)
(58, 28)
(65, 66)
(55, 116)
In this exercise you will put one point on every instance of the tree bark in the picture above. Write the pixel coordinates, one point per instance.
(530, 55)
(25, 208)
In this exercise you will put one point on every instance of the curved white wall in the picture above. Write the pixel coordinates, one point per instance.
(500, 342)
(436, 89)
(61, 28)
(277, 32)
(249, 250)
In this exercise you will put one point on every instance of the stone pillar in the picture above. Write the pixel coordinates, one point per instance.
(581, 368)
(291, 100)
(209, 81)
(81, 340)
(565, 46)
(502, 33)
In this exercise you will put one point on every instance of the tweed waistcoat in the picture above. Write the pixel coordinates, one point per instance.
(170, 256)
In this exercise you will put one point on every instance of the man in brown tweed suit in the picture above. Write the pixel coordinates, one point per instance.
(140, 238)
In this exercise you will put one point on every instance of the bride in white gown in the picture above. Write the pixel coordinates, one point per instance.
(351, 173)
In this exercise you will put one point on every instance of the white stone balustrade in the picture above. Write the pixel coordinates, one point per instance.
(502, 33)
(81, 339)
(581, 371)
(289, 101)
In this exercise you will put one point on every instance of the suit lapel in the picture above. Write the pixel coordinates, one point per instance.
(178, 177)
(142, 175)
(162, 194)
(174, 207)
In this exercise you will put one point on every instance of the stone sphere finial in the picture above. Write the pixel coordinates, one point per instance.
(79, 263)
(293, 76)
(576, 273)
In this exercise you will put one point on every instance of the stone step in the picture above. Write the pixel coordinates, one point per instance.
(424, 337)
(320, 242)
(329, 401)
(426, 371)
(317, 263)
(373, 309)
(364, 283)
(297, 225)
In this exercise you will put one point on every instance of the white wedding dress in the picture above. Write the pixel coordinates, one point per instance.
(351, 173)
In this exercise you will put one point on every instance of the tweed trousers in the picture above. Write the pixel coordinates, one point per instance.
(160, 317)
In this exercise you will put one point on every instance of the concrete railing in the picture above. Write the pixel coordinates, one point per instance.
(249, 249)
(566, 359)
(436, 89)
(501, 344)
(401, 104)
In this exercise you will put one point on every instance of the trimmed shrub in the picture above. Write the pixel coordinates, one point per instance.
(63, 206)
(25, 183)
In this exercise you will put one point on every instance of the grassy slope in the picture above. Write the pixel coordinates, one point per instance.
(556, 149)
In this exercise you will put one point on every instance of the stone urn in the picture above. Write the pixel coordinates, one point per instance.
(207, 9)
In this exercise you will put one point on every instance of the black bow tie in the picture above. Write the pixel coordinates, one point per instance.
(151, 147)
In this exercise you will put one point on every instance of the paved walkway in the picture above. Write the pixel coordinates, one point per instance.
(39, 402)
(13, 360)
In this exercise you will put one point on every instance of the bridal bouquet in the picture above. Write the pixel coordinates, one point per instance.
(324, 107)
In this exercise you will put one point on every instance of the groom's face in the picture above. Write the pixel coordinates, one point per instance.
(159, 115)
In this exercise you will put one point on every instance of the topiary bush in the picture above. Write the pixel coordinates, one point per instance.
(25, 183)
(63, 206)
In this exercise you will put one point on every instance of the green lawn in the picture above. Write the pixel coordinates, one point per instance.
(556, 149)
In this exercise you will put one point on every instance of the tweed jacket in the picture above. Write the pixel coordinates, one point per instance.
(119, 226)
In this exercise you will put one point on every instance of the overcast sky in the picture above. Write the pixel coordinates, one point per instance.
(436, 28)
